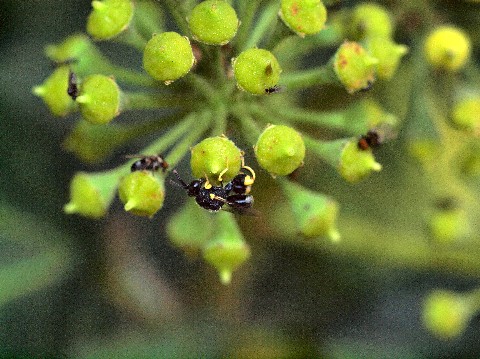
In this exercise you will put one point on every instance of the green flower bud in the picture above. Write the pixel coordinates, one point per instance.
(345, 155)
(370, 20)
(447, 48)
(354, 67)
(94, 143)
(86, 59)
(81, 54)
(376, 116)
(92, 193)
(280, 150)
(99, 99)
(168, 56)
(188, 229)
(388, 54)
(466, 115)
(216, 158)
(304, 17)
(228, 249)
(446, 314)
(315, 212)
(256, 70)
(356, 164)
(109, 18)
(213, 22)
(449, 225)
(53, 92)
(71, 49)
(142, 193)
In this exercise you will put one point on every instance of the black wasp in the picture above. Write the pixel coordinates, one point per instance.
(370, 140)
(72, 89)
(376, 137)
(148, 163)
(273, 89)
(235, 193)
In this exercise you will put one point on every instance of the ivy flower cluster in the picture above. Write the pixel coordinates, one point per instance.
(230, 69)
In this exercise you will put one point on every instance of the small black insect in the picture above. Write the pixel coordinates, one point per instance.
(273, 89)
(148, 163)
(375, 137)
(368, 87)
(370, 140)
(72, 89)
(214, 198)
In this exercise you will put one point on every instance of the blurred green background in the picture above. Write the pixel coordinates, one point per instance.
(72, 287)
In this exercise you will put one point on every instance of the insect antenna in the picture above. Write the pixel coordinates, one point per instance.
(182, 182)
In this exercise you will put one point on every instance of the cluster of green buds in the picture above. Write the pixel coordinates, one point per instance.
(227, 72)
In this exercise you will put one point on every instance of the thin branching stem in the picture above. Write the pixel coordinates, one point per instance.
(265, 23)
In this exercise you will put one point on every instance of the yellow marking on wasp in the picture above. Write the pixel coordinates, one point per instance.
(248, 178)
(222, 173)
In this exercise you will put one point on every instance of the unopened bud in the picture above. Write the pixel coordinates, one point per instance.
(256, 70)
(92, 193)
(99, 99)
(388, 54)
(53, 92)
(213, 22)
(216, 158)
(304, 17)
(168, 56)
(109, 18)
(280, 150)
(142, 193)
(315, 212)
(190, 228)
(446, 314)
(354, 67)
(227, 250)
(369, 20)
(448, 48)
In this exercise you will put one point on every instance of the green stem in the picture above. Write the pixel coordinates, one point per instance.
(132, 37)
(328, 151)
(94, 143)
(262, 115)
(173, 7)
(294, 47)
(322, 75)
(166, 140)
(217, 64)
(334, 120)
(201, 123)
(265, 23)
(250, 129)
(220, 121)
(247, 14)
(280, 31)
(144, 100)
(148, 127)
(202, 86)
(149, 18)
(132, 77)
